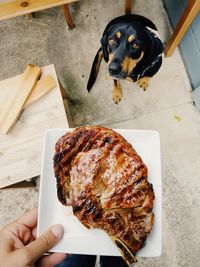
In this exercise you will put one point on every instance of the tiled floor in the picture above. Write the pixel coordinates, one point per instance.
(166, 107)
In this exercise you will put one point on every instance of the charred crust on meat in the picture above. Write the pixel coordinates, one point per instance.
(105, 181)
(108, 139)
(57, 157)
(76, 208)
(60, 194)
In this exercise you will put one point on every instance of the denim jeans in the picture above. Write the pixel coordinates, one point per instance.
(76, 260)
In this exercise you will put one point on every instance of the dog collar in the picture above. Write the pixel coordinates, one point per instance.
(140, 75)
(157, 58)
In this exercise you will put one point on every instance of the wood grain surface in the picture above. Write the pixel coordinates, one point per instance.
(11, 9)
(21, 148)
(13, 107)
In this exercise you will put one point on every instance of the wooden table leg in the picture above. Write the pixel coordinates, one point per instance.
(188, 16)
(128, 6)
(68, 17)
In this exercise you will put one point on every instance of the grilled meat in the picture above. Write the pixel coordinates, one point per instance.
(105, 181)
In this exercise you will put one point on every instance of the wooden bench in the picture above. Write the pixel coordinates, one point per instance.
(12, 8)
(9, 9)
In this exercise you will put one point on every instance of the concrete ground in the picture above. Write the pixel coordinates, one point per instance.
(166, 107)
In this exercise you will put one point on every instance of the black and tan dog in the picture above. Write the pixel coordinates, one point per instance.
(132, 50)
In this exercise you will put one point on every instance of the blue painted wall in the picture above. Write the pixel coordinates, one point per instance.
(190, 45)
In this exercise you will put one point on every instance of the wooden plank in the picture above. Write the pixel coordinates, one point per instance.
(42, 87)
(187, 18)
(21, 149)
(21, 7)
(14, 105)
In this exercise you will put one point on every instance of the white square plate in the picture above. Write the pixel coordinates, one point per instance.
(77, 238)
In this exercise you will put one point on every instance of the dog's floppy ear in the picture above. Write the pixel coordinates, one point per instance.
(95, 69)
(104, 43)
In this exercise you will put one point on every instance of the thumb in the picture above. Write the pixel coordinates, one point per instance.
(43, 243)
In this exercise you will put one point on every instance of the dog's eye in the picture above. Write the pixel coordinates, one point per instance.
(111, 41)
(135, 46)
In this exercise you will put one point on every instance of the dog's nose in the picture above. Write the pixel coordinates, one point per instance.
(114, 68)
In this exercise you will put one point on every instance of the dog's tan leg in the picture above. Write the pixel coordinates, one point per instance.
(143, 82)
(117, 92)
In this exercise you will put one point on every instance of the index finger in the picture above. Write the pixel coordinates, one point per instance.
(29, 219)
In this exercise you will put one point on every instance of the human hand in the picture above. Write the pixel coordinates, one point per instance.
(19, 246)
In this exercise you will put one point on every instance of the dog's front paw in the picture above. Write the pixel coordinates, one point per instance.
(143, 83)
(117, 96)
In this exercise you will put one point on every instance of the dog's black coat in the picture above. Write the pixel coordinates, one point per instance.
(148, 43)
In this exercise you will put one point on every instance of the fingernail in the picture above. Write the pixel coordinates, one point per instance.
(57, 230)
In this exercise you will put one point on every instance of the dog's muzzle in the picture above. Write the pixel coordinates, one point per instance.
(115, 71)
